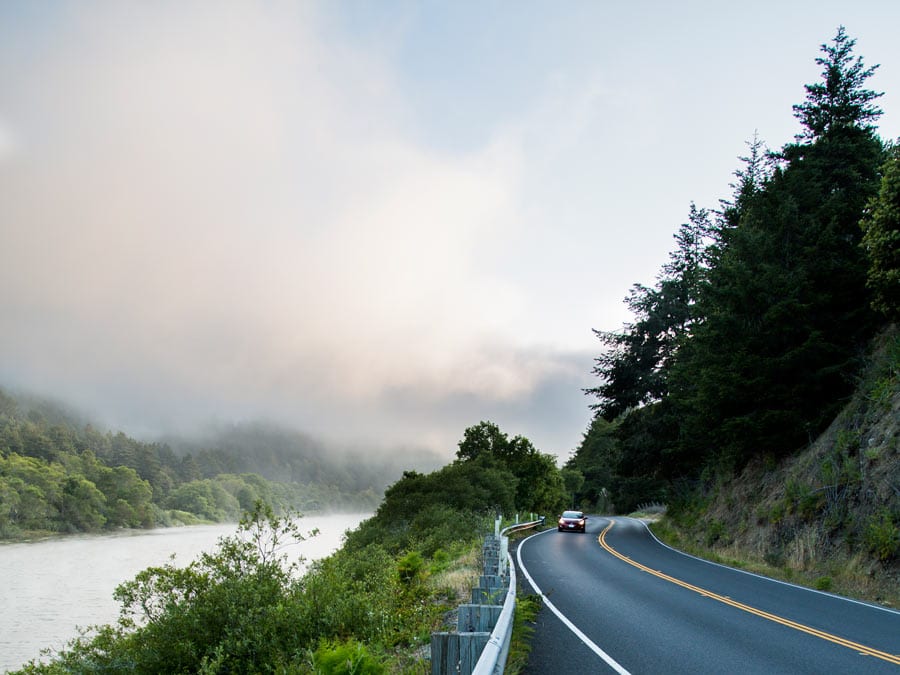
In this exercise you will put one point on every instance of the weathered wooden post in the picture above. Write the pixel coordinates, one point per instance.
(478, 618)
(453, 653)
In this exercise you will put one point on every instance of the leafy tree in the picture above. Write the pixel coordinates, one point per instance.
(205, 498)
(597, 459)
(476, 486)
(483, 438)
(573, 479)
(538, 484)
(82, 505)
(129, 498)
(881, 239)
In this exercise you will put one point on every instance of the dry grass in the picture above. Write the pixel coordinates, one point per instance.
(460, 577)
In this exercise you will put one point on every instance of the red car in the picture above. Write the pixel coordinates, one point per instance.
(572, 521)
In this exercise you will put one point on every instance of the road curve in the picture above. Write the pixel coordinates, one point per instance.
(617, 600)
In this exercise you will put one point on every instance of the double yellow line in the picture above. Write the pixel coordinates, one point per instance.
(849, 644)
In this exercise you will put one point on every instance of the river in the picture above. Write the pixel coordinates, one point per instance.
(51, 587)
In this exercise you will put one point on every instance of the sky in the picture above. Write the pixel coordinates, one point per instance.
(378, 223)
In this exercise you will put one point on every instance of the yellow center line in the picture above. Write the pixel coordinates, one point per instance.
(862, 649)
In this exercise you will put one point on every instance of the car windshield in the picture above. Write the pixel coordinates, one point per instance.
(572, 514)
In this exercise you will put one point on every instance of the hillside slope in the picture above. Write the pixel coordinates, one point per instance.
(829, 516)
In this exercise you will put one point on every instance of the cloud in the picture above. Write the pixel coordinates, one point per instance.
(7, 141)
(220, 212)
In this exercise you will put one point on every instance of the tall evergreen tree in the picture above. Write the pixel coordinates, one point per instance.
(840, 99)
(635, 363)
(787, 295)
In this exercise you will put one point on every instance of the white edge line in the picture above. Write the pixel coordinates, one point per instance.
(762, 576)
(610, 661)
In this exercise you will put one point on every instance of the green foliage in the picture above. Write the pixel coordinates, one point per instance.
(882, 536)
(802, 500)
(440, 561)
(573, 479)
(539, 486)
(839, 100)
(410, 567)
(881, 225)
(715, 531)
(527, 608)
(427, 512)
(635, 366)
(245, 608)
(205, 498)
(228, 611)
(485, 438)
(824, 583)
(841, 467)
(345, 658)
(597, 459)
(887, 380)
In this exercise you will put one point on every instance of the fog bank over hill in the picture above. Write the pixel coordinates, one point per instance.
(282, 454)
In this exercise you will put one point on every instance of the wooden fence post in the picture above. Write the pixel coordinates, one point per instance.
(478, 618)
(470, 647)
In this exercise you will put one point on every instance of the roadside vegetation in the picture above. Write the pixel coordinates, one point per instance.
(368, 608)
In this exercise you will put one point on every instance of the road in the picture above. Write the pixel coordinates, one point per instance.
(617, 600)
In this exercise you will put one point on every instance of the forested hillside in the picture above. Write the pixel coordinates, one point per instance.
(59, 473)
(757, 330)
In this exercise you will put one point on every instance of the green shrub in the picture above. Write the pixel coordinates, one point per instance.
(715, 532)
(802, 500)
(440, 560)
(345, 658)
(410, 567)
(882, 536)
(824, 583)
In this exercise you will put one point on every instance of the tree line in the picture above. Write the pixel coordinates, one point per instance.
(60, 475)
(749, 341)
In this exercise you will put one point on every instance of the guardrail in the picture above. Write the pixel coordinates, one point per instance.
(472, 650)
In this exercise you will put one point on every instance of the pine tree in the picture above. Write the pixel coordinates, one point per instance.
(635, 363)
(784, 313)
(839, 100)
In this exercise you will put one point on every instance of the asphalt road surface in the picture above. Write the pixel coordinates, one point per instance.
(617, 600)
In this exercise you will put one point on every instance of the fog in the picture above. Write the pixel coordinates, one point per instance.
(217, 215)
